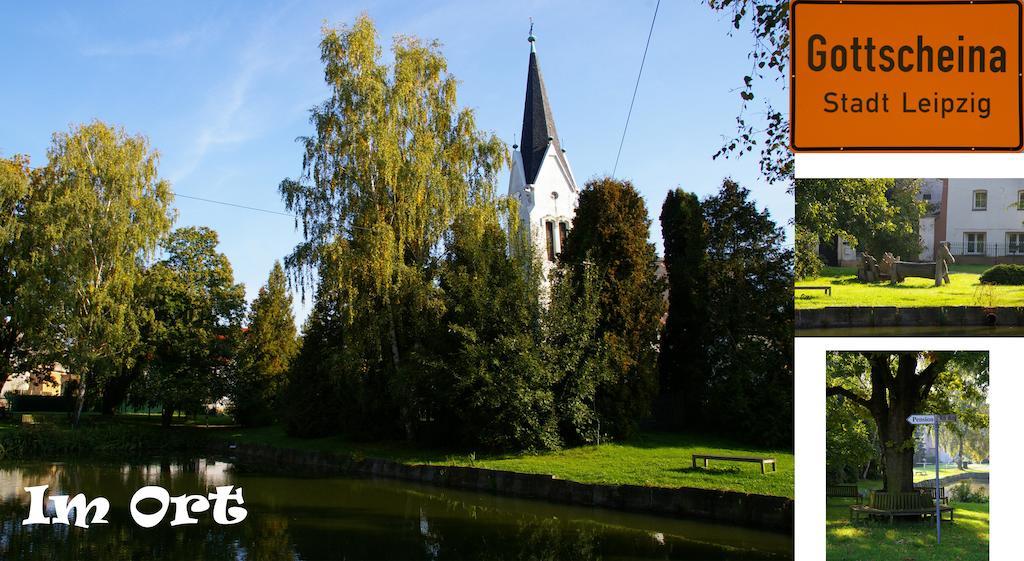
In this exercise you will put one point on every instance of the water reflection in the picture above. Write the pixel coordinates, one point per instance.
(347, 518)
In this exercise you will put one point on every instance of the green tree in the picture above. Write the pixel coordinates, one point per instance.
(491, 387)
(873, 215)
(891, 386)
(851, 441)
(681, 362)
(324, 389)
(575, 352)
(610, 233)
(17, 192)
(268, 347)
(101, 211)
(390, 166)
(197, 313)
(749, 332)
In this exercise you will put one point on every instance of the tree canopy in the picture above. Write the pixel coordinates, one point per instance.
(610, 233)
(101, 210)
(726, 347)
(873, 215)
(268, 346)
(890, 386)
(768, 24)
(197, 310)
(390, 166)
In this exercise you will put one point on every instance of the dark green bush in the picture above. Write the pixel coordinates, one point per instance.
(101, 440)
(1004, 274)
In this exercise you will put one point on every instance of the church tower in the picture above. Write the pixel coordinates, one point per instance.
(541, 179)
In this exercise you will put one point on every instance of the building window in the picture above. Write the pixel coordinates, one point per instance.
(1020, 200)
(549, 230)
(974, 243)
(980, 200)
(926, 197)
(563, 232)
(1015, 243)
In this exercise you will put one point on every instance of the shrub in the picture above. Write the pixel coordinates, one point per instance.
(962, 493)
(1004, 274)
(808, 264)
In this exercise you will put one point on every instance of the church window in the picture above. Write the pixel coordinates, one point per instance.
(563, 232)
(549, 229)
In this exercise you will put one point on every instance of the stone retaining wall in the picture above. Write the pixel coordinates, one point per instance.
(891, 316)
(757, 511)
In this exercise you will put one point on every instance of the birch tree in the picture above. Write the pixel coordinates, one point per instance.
(391, 162)
(100, 212)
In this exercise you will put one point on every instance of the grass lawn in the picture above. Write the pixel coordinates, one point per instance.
(922, 473)
(653, 459)
(963, 290)
(966, 539)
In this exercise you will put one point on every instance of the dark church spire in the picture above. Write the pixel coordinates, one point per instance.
(538, 123)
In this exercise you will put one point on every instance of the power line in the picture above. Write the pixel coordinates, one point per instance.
(236, 205)
(216, 202)
(636, 87)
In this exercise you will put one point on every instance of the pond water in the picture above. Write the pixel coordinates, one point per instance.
(300, 518)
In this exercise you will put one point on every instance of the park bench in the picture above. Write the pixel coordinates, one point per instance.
(857, 511)
(762, 461)
(843, 491)
(826, 289)
(930, 491)
(893, 505)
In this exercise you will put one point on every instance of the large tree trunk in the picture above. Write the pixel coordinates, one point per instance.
(897, 452)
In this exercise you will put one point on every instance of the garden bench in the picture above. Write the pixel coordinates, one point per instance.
(930, 491)
(856, 511)
(843, 491)
(762, 461)
(902, 504)
(826, 289)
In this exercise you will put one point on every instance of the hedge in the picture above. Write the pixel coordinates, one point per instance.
(1004, 274)
(27, 403)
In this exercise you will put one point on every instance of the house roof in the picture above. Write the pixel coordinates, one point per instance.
(538, 122)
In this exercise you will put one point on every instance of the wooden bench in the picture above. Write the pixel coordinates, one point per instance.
(857, 511)
(843, 491)
(899, 504)
(826, 289)
(762, 461)
(930, 491)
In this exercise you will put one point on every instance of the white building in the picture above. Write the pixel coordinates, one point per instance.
(983, 218)
(541, 179)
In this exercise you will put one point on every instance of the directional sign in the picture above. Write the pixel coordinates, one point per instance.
(930, 419)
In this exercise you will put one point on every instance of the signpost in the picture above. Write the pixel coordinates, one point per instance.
(934, 420)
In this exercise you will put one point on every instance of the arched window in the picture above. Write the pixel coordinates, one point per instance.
(549, 231)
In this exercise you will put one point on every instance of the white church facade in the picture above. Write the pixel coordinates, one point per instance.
(541, 179)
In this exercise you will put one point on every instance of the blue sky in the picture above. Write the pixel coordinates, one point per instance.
(222, 89)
